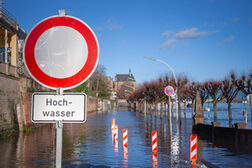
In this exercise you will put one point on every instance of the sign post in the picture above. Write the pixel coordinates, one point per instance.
(61, 52)
(59, 129)
(59, 137)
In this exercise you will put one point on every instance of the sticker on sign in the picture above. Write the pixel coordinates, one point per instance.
(50, 107)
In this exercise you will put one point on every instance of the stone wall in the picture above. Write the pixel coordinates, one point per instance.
(91, 104)
(10, 103)
(96, 104)
(27, 99)
(16, 97)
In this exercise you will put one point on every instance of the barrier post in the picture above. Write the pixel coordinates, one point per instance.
(112, 124)
(154, 141)
(116, 133)
(116, 139)
(193, 147)
(112, 128)
(125, 141)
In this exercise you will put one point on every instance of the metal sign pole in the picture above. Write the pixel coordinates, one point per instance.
(170, 108)
(59, 130)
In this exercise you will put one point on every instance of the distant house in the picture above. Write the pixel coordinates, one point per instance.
(9, 32)
(124, 85)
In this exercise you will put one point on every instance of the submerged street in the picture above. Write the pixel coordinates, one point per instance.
(71, 75)
(90, 144)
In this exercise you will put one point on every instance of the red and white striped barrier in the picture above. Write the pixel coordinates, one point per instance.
(154, 141)
(125, 140)
(116, 139)
(193, 147)
(112, 128)
(116, 133)
(125, 137)
(112, 124)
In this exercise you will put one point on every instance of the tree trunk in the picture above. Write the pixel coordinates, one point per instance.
(185, 109)
(165, 109)
(161, 110)
(145, 107)
(156, 109)
(215, 110)
(179, 110)
(229, 114)
(149, 108)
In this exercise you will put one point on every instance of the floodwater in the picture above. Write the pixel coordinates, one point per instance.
(90, 144)
(238, 114)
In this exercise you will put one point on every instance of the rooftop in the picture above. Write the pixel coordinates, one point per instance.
(7, 20)
(124, 77)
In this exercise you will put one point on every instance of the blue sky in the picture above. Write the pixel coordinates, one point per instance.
(203, 39)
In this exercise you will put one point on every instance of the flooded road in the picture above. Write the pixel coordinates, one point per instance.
(90, 144)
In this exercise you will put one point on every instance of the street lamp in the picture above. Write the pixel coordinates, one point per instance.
(163, 62)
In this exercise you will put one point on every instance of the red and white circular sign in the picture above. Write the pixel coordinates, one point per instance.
(61, 52)
(169, 90)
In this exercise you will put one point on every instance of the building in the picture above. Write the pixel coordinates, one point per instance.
(16, 87)
(124, 85)
(110, 84)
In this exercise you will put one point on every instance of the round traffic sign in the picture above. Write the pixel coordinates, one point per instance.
(61, 52)
(169, 90)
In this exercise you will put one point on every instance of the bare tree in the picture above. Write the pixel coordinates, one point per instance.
(192, 89)
(244, 84)
(229, 91)
(98, 85)
(203, 92)
(213, 89)
(181, 86)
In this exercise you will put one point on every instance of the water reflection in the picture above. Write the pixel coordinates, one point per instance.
(91, 144)
(29, 150)
(154, 160)
(125, 157)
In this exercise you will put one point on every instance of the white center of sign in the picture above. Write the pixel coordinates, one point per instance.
(61, 52)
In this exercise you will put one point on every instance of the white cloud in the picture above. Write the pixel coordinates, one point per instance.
(166, 34)
(169, 43)
(182, 35)
(228, 40)
(189, 34)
